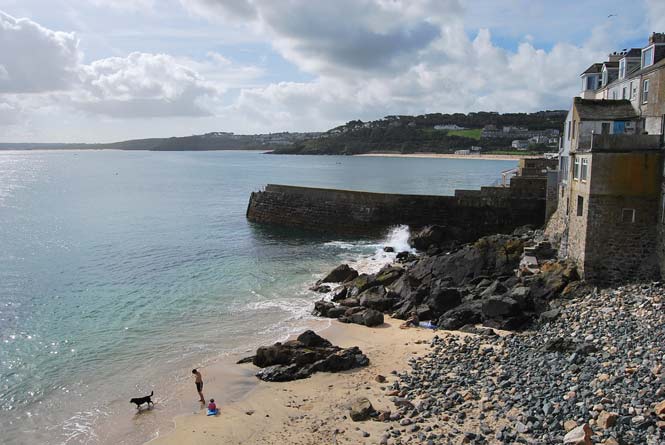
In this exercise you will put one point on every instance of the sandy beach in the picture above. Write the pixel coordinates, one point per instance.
(309, 411)
(490, 157)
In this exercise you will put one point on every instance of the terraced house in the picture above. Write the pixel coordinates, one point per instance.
(610, 211)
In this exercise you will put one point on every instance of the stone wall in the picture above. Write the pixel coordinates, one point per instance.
(621, 250)
(468, 214)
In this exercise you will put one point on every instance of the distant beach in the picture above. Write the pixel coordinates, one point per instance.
(485, 157)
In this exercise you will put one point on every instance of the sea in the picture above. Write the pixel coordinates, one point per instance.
(120, 271)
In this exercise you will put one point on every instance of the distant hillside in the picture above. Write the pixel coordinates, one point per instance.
(208, 141)
(439, 133)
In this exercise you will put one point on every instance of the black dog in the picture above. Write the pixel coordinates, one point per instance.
(141, 400)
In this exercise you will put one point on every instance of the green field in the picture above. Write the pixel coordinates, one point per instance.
(473, 133)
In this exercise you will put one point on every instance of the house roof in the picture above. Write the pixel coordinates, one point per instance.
(595, 109)
(611, 65)
(593, 69)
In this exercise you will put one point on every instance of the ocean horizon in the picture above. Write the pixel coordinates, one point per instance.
(120, 271)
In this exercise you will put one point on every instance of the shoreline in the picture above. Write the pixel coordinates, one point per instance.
(309, 410)
(490, 157)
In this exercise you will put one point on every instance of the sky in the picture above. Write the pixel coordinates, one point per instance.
(111, 70)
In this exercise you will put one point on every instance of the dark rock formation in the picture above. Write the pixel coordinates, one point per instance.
(477, 283)
(300, 358)
(340, 274)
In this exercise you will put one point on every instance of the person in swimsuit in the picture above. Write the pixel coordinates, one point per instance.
(199, 384)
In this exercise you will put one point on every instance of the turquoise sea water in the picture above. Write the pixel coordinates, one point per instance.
(122, 269)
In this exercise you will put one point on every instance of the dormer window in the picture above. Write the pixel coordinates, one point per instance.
(604, 76)
(622, 68)
(647, 56)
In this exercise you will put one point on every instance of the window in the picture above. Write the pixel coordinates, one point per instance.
(614, 95)
(591, 82)
(633, 91)
(624, 93)
(576, 169)
(647, 57)
(628, 215)
(605, 128)
(645, 91)
(568, 124)
(604, 77)
(584, 171)
(622, 68)
(573, 125)
(580, 205)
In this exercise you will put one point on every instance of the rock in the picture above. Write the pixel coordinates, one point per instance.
(569, 425)
(340, 274)
(379, 378)
(337, 311)
(427, 236)
(339, 293)
(366, 317)
(580, 435)
(442, 298)
(361, 409)
(309, 353)
(500, 307)
(349, 302)
(466, 313)
(576, 289)
(320, 288)
(606, 419)
(659, 410)
(377, 298)
(322, 307)
(388, 275)
(311, 339)
(388, 249)
(360, 284)
(405, 257)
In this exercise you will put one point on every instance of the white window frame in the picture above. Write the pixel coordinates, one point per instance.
(652, 49)
(623, 92)
(632, 215)
(576, 168)
(584, 169)
(622, 68)
(645, 91)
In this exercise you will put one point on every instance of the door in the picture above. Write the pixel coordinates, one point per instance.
(605, 128)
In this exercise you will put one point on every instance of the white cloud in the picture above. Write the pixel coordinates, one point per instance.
(656, 15)
(142, 85)
(35, 59)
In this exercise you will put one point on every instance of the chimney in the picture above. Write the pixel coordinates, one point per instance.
(615, 57)
(657, 37)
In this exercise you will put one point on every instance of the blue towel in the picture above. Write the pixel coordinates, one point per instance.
(212, 413)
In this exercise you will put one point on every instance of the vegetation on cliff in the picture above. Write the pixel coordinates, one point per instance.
(423, 133)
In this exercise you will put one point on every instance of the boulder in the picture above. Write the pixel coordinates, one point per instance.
(659, 410)
(322, 307)
(388, 275)
(388, 249)
(298, 359)
(349, 302)
(360, 284)
(442, 298)
(320, 288)
(340, 274)
(367, 317)
(360, 409)
(377, 298)
(465, 313)
(339, 293)
(500, 307)
(427, 236)
(311, 339)
(337, 311)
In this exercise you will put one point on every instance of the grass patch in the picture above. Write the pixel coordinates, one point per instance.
(472, 133)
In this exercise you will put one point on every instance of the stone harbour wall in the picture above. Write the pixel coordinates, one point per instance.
(468, 214)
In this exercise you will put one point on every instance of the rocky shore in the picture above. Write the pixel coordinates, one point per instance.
(527, 353)
(593, 375)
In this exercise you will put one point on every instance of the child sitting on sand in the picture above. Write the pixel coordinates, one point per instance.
(212, 408)
(412, 321)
